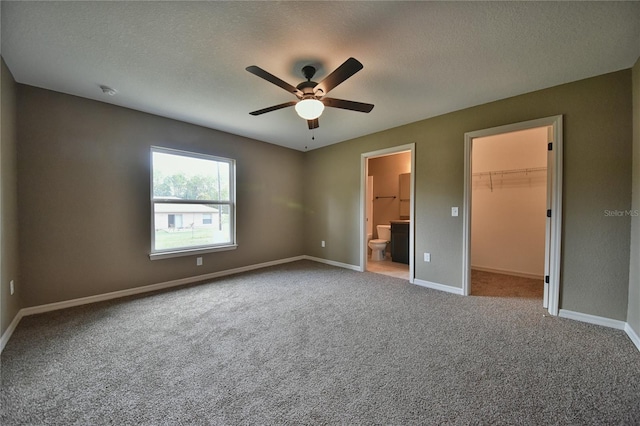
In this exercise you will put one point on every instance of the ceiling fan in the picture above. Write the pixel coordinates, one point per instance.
(311, 95)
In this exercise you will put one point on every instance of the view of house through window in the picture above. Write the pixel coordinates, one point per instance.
(192, 200)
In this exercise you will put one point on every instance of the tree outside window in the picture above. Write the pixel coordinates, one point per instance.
(193, 202)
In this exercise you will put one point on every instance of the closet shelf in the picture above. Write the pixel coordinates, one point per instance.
(512, 173)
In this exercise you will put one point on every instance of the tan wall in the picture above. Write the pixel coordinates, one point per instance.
(386, 173)
(9, 305)
(509, 211)
(91, 160)
(597, 177)
(633, 316)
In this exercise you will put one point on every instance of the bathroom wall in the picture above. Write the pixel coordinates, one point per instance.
(509, 210)
(386, 173)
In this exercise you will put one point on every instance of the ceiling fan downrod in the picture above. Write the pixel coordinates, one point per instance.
(308, 71)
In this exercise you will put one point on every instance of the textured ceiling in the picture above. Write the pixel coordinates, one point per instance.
(187, 60)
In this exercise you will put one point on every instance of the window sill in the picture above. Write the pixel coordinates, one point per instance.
(190, 252)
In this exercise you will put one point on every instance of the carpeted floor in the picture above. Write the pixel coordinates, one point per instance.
(306, 343)
(500, 285)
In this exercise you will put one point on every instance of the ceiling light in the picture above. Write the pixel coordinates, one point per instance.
(309, 108)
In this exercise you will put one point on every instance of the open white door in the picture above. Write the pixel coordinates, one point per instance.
(547, 245)
(369, 205)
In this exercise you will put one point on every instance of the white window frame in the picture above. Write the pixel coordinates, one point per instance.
(231, 203)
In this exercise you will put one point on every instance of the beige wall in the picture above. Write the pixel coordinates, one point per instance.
(90, 160)
(509, 210)
(9, 305)
(597, 176)
(633, 316)
(386, 173)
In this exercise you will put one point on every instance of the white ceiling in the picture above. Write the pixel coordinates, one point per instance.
(187, 60)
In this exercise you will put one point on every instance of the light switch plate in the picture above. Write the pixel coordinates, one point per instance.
(454, 211)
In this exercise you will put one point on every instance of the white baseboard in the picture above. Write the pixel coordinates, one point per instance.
(632, 335)
(333, 263)
(130, 292)
(507, 272)
(436, 286)
(605, 322)
(592, 319)
(149, 288)
(9, 331)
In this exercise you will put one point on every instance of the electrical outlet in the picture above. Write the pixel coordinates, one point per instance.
(427, 257)
(12, 287)
(322, 243)
(198, 261)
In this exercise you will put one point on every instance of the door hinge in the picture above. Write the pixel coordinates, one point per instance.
(549, 213)
(546, 279)
(550, 146)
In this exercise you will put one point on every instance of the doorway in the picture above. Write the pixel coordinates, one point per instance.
(499, 175)
(508, 214)
(387, 198)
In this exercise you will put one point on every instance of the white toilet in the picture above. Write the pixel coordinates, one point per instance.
(379, 245)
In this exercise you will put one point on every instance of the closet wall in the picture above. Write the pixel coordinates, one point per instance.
(509, 203)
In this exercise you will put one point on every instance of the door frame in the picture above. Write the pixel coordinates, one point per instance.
(554, 172)
(364, 172)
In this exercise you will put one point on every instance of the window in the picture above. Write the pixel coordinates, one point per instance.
(192, 203)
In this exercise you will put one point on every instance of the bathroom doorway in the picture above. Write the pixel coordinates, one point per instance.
(387, 199)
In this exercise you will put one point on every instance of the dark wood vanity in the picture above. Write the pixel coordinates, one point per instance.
(400, 241)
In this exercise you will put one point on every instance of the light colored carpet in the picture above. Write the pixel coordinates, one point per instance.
(306, 343)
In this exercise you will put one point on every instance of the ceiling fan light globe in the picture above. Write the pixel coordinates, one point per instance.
(309, 109)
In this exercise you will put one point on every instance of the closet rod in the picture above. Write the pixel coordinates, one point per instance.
(501, 173)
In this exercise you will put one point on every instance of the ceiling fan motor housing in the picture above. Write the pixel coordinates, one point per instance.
(306, 87)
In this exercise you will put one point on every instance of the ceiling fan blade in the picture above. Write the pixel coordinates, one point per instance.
(313, 124)
(273, 108)
(350, 105)
(340, 74)
(255, 70)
